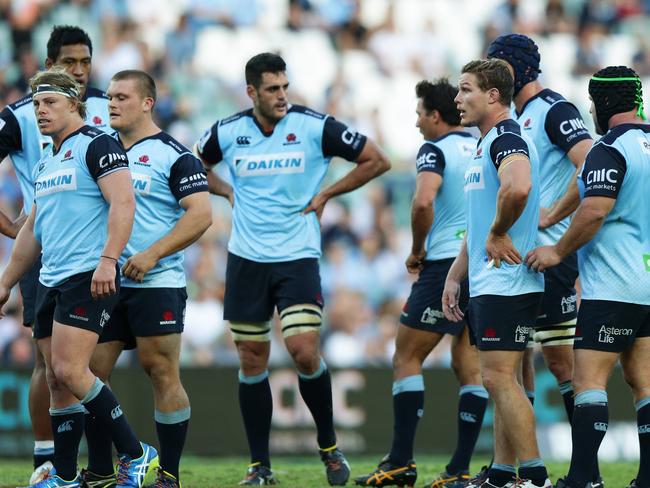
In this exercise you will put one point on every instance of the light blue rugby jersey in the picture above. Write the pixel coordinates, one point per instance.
(615, 264)
(71, 213)
(24, 143)
(481, 188)
(555, 126)
(163, 172)
(275, 176)
(447, 156)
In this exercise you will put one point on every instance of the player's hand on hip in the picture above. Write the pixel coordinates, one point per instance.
(138, 265)
(451, 300)
(415, 261)
(103, 282)
(4, 297)
(542, 258)
(499, 248)
(317, 205)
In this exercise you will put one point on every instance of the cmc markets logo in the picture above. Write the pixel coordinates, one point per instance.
(569, 126)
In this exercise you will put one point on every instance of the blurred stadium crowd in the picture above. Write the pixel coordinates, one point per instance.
(358, 60)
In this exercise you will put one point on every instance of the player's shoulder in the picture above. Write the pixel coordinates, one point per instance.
(551, 97)
(169, 142)
(508, 127)
(617, 132)
(92, 133)
(243, 115)
(23, 106)
(92, 92)
(306, 111)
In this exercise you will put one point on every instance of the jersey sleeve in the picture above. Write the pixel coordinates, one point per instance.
(430, 158)
(339, 140)
(104, 156)
(506, 145)
(208, 146)
(187, 176)
(564, 126)
(10, 134)
(603, 172)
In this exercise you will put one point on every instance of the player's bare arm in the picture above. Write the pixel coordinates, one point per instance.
(194, 222)
(451, 294)
(515, 181)
(23, 256)
(371, 163)
(427, 185)
(117, 190)
(567, 203)
(585, 224)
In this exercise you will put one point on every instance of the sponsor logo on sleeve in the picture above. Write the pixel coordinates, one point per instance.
(107, 159)
(62, 180)
(196, 180)
(572, 125)
(270, 164)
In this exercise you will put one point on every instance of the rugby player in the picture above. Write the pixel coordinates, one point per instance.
(502, 189)
(71, 48)
(438, 228)
(278, 154)
(172, 211)
(611, 232)
(81, 220)
(562, 141)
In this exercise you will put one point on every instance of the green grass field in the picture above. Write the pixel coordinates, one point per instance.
(304, 472)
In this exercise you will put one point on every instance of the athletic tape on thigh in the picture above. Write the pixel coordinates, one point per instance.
(298, 319)
(561, 334)
(249, 331)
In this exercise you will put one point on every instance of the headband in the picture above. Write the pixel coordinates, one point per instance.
(55, 89)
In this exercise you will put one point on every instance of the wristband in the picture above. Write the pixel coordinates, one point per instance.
(108, 257)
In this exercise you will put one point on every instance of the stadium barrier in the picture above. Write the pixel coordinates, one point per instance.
(362, 410)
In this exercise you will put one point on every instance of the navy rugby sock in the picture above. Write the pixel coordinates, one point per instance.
(590, 419)
(533, 470)
(67, 427)
(471, 409)
(643, 423)
(408, 405)
(501, 474)
(101, 402)
(100, 446)
(566, 389)
(256, 405)
(316, 391)
(43, 452)
(172, 431)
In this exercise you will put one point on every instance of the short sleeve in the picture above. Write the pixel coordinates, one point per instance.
(603, 172)
(10, 134)
(208, 146)
(430, 158)
(104, 156)
(506, 145)
(341, 141)
(187, 176)
(564, 126)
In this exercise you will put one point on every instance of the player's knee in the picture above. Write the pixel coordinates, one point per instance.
(495, 379)
(253, 356)
(162, 372)
(306, 359)
(65, 372)
(560, 368)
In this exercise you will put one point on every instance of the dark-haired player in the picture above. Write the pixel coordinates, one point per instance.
(502, 189)
(438, 228)
(611, 232)
(277, 155)
(71, 48)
